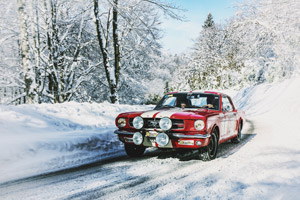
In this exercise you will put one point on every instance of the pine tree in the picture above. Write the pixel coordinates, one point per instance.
(209, 22)
(167, 89)
(204, 64)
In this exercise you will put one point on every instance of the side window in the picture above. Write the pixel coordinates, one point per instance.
(226, 105)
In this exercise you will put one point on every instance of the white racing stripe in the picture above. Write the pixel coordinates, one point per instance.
(168, 113)
(149, 114)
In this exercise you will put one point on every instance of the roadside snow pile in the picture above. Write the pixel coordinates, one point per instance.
(40, 138)
(279, 98)
(268, 167)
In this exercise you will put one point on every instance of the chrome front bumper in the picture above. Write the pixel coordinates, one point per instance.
(123, 132)
(196, 136)
(177, 135)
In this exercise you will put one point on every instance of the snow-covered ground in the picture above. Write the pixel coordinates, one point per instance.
(49, 137)
(36, 139)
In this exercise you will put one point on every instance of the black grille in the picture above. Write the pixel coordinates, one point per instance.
(154, 123)
(151, 123)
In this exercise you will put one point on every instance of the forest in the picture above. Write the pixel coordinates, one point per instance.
(55, 51)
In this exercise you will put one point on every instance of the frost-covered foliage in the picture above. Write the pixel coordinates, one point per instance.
(93, 50)
(109, 50)
(50, 50)
(259, 44)
(271, 33)
(10, 70)
(214, 62)
(131, 48)
(168, 76)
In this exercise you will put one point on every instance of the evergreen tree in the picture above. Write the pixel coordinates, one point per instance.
(167, 89)
(214, 62)
(209, 22)
(204, 62)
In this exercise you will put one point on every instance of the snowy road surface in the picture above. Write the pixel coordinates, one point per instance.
(158, 174)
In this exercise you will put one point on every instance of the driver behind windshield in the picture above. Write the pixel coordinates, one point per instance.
(212, 102)
(195, 100)
(183, 102)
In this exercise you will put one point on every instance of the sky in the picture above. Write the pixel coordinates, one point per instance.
(179, 35)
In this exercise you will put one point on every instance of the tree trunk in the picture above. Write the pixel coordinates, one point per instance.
(36, 48)
(116, 51)
(24, 43)
(109, 73)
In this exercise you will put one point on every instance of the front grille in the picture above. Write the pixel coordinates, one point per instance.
(153, 123)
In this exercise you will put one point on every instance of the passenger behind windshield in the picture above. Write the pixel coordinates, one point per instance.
(189, 100)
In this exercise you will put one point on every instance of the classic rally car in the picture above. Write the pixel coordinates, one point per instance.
(195, 120)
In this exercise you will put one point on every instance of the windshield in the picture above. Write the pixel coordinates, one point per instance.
(189, 100)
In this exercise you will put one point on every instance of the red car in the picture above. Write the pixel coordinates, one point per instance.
(194, 120)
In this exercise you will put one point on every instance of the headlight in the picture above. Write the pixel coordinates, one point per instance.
(121, 122)
(165, 123)
(138, 122)
(199, 125)
(137, 138)
(162, 139)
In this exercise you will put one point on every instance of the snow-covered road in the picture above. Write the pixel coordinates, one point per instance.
(159, 174)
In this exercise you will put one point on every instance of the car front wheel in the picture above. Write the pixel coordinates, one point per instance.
(134, 150)
(210, 152)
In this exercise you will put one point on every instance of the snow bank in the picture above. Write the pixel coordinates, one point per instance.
(276, 98)
(269, 165)
(40, 138)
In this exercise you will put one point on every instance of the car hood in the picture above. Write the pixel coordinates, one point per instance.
(174, 113)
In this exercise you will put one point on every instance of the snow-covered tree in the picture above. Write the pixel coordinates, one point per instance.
(11, 72)
(29, 77)
(208, 62)
(260, 43)
(128, 34)
(270, 31)
(92, 50)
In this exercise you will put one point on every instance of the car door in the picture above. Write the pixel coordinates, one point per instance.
(229, 122)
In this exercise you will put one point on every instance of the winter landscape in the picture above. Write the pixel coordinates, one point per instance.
(68, 68)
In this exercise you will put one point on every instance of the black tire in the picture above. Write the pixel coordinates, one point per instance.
(210, 152)
(237, 139)
(134, 150)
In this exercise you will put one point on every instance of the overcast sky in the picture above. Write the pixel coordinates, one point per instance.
(178, 35)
